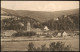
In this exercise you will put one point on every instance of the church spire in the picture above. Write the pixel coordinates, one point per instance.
(28, 26)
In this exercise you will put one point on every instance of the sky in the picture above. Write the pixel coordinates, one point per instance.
(40, 5)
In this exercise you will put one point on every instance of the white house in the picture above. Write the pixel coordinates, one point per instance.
(46, 28)
(56, 19)
(64, 34)
(59, 34)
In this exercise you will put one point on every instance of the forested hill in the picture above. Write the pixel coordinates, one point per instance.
(41, 18)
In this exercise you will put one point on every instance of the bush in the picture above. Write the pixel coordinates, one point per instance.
(54, 46)
(31, 47)
(43, 47)
(55, 34)
(49, 36)
(59, 46)
(18, 34)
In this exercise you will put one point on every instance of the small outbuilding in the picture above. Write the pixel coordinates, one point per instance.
(64, 34)
(59, 34)
(46, 28)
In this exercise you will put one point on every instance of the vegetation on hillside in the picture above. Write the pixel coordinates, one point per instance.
(20, 24)
(70, 22)
(40, 16)
(36, 18)
(19, 34)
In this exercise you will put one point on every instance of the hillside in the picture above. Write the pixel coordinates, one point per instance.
(40, 15)
(45, 16)
(39, 19)
(70, 22)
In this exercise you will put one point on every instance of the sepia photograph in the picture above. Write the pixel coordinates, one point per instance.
(39, 25)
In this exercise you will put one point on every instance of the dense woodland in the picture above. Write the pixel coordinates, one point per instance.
(71, 22)
(40, 19)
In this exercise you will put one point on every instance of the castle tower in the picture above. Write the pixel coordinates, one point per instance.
(28, 26)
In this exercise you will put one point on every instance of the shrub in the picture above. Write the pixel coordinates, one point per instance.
(24, 34)
(59, 46)
(54, 46)
(31, 47)
(49, 36)
(43, 47)
(55, 34)
(17, 34)
(38, 49)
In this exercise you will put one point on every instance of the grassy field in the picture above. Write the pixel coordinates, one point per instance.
(22, 45)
